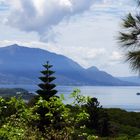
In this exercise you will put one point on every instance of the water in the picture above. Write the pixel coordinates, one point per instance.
(108, 96)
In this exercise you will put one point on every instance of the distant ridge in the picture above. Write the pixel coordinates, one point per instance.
(22, 65)
(134, 79)
(93, 68)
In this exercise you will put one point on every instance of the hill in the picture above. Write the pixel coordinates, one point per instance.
(22, 65)
(134, 79)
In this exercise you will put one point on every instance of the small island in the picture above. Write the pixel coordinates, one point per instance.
(16, 92)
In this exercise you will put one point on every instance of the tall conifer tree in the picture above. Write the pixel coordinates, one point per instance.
(47, 87)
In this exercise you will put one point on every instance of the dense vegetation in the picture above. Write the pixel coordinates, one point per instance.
(84, 119)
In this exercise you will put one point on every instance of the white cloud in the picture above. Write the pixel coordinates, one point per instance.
(116, 56)
(118, 2)
(42, 15)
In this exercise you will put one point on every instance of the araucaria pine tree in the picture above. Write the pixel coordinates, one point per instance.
(47, 87)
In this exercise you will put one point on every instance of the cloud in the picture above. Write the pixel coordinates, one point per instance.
(42, 15)
(116, 56)
(114, 3)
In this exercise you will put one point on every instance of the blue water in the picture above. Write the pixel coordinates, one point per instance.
(108, 96)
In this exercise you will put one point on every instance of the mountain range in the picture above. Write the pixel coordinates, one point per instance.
(22, 65)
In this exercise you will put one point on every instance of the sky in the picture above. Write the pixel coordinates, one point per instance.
(83, 30)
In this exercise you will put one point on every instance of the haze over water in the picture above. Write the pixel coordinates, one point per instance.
(111, 96)
(108, 96)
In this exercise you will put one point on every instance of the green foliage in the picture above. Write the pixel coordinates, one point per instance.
(15, 119)
(90, 137)
(98, 117)
(79, 100)
(10, 107)
(80, 111)
(52, 119)
(18, 129)
(52, 112)
(124, 122)
(61, 120)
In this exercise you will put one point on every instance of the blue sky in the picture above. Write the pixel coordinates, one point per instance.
(84, 30)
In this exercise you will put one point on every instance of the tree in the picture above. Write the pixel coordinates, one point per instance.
(130, 39)
(93, 109)
(98, 117)
(46, 87)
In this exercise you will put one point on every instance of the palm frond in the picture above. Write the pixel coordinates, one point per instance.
(128, 39)
(129, 22)
(134, 59)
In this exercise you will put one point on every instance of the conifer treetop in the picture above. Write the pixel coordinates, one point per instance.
(47, 88)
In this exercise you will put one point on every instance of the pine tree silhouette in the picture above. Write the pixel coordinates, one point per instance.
(47, 87)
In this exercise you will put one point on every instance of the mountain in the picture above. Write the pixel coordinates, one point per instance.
(134, 79)
(103, 78)
(22, 65)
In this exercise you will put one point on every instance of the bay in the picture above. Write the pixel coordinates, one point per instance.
(108, 96)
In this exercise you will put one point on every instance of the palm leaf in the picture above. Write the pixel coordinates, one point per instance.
(134, 59)
(129, 21)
